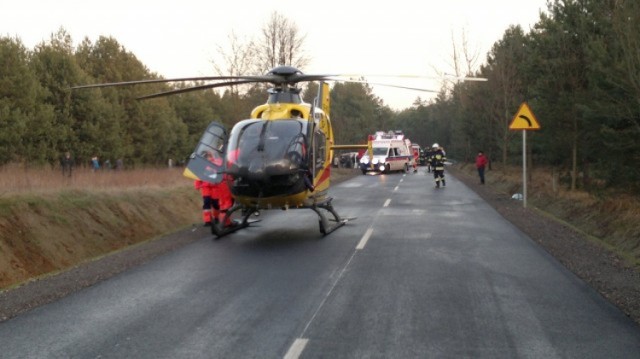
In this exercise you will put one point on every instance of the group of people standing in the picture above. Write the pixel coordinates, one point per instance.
(67, 164)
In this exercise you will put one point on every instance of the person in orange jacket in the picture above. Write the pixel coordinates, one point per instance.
(205, 192)
(221, 201)
(209, 193)
(216, 197)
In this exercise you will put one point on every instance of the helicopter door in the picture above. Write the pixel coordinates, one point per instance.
(206, 163)
(320, 150)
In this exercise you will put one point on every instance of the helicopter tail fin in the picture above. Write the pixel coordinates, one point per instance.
(325, 97)
(370, 148)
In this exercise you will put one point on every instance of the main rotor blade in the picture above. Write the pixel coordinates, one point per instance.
(386, 85)
(285, 76)
(182, 79)
(407, 76)
(196, 88)
(304, 78)
(274, 79)
(465, 78)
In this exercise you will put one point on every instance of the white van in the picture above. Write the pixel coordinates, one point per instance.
(391, 152)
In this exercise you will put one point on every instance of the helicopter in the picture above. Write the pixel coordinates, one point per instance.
(278, 158)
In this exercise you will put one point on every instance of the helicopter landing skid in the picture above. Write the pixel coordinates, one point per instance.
(221, 231)
(323, 221)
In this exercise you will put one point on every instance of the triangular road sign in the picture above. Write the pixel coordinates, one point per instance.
(524, 119)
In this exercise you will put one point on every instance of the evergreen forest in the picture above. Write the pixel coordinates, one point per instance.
(578, 69)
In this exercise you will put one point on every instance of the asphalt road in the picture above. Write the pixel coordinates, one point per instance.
(421, 273)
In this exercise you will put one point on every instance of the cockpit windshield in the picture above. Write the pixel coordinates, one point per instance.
(266, 147)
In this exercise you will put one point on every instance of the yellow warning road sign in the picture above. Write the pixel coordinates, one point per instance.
(524, 119)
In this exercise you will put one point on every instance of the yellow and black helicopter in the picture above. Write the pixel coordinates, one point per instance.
(279, 158)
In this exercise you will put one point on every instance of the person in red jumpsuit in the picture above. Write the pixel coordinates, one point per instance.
(221, 198)
(205, 192)
(216, 197)
(221, 201)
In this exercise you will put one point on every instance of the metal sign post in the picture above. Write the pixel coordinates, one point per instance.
(524, 168)
(524, 120)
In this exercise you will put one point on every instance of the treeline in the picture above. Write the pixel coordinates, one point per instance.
(579, 71)
(41, 118)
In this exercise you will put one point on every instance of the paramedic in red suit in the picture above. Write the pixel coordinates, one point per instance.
(205, 191)
(216, 197)
(221, 199)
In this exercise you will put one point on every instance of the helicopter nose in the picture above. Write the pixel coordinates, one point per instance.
(261, 169)
(256, 168)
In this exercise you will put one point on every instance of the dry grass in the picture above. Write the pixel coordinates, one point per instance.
(19, 180)
(49, 223)
(610, 217)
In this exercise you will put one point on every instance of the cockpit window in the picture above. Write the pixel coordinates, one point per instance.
(212, 142)
(255, 145)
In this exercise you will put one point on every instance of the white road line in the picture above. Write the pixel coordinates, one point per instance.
(296, 348)
(395, 189)
(324, 300)
(365, 238)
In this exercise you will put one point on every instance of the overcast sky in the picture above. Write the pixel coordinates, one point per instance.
(179, 38)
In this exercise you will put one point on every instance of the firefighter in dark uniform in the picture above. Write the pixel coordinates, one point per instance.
(437, 164)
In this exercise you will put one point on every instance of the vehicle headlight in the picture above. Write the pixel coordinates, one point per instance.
(382, 168)
(364, 160)
(375, 161)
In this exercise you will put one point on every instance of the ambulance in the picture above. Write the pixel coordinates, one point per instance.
(391, 152)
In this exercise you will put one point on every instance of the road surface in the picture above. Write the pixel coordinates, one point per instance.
(421, 273)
